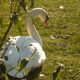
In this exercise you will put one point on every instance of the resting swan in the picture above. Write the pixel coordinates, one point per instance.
(26, 47)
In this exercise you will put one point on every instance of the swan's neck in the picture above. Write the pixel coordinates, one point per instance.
(32, 30)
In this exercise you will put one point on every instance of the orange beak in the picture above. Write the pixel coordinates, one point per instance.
(46, 21)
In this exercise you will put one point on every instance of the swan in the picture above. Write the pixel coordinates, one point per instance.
(23, 47)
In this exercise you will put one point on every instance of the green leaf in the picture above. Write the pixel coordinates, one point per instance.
(27, 71)
(22, 64)
(57, 73)
(5, 76)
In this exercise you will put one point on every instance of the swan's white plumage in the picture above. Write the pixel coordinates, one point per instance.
(27, 46)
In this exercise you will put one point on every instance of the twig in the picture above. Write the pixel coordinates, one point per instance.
(5, 35)
(10, 25)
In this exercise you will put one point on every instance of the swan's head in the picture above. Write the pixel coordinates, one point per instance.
(41, 13)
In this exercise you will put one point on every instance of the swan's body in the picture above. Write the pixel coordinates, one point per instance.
(26, 47)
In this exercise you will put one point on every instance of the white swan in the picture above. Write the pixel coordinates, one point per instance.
(26, 46)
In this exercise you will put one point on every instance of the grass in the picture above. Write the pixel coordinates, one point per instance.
(64, 26)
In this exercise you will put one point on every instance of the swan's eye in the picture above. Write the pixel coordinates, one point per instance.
(6, 58)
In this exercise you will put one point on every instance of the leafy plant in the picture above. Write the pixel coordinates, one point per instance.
(17, 7)
(22, 64)
(15, 12)
(4, 76)
(56, 74)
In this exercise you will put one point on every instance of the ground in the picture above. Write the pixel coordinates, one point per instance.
(61, 38)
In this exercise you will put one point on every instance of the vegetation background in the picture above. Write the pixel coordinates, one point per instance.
(61, 38)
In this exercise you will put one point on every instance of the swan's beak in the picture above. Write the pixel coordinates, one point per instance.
(46, 21)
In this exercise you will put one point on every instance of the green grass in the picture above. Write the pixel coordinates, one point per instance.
(64, 26)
